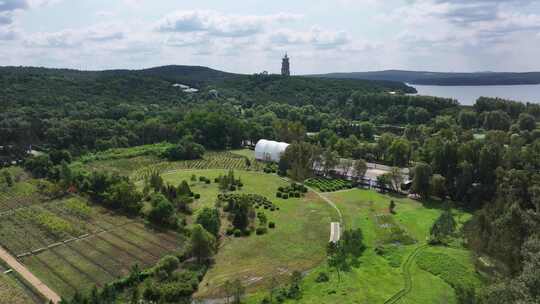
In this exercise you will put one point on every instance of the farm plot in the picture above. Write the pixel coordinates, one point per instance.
(12, 292)
(211, 160)
(328, 185)
(100, 258)
(72, 245)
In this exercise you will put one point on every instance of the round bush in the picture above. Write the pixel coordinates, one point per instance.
(238, 233)
(278, 194)
(280, 189)
(261, 230)
(207, 181)
(322, 277)
(285, 196)
(197, 196)
(232, 188)
(271, 225)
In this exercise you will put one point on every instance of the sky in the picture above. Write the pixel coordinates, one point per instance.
(251, 36)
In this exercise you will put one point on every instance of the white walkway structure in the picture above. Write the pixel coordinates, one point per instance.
(335, 232)
(267, 150)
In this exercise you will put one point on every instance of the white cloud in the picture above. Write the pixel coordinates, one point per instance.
(316, 37)
(69, 38)
(218, 24)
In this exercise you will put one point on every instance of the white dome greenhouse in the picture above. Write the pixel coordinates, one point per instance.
(268, 150)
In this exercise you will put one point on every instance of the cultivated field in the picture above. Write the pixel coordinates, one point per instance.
(71, 245)
(211, 160)
(297, 243)
(14, 292)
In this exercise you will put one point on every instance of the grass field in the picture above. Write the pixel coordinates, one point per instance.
(297, 243)
(379, 277)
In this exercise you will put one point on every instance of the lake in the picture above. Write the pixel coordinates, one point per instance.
(467, 95)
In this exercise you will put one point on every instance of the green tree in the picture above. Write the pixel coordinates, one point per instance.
(330, 160)
(359, 169)
(162, 212)
(526, 122)
(438, 186)
(301, 156)
(443, 227)
(202, 243)
(367, 129)
(467, 119)
(421, 183)
(210, 220)
(8, 179)
(497, 120)
(399, 152)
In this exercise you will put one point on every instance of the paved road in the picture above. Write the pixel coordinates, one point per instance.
(28, 276)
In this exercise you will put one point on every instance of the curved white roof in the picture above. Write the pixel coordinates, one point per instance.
(268, 150)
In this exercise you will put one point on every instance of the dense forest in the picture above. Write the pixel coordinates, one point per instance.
(484, 158)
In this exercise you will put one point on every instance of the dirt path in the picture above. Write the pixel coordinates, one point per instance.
(406, 276)
(28, 276)
(331, 203)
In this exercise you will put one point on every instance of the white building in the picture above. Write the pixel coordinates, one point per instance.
(267, 150)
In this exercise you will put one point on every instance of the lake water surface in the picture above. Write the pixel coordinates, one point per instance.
(467, 95)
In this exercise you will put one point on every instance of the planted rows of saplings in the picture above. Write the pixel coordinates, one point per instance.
(211, 160)
(328, 184)
(293, 191)
(100, 259)
(239, 206)
(255, 200)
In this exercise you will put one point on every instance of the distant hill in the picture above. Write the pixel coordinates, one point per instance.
(443, 79)
(34, 85)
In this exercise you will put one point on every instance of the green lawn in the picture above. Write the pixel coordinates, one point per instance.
(380, 277)
(297, 243)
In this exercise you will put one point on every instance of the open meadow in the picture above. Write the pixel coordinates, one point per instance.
(381, 275)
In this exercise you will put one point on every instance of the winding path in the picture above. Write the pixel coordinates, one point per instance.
(28, 276)
(406, 267)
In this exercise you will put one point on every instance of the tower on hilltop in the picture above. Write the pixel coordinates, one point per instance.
(285, 66)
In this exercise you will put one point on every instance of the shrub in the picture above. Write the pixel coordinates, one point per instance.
(322, 277)
(230, 231)
(232, 188)
(201, 178)
(271, 225)
(247, 232)
(285, 196)
(237, 233)
(280, 189)
(296, 194)
(261, 230)
(197, 196)
(207, 181)
(278, 194)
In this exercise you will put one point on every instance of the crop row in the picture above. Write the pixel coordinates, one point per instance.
(328, 185)
(100, 258)
(211, 160)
